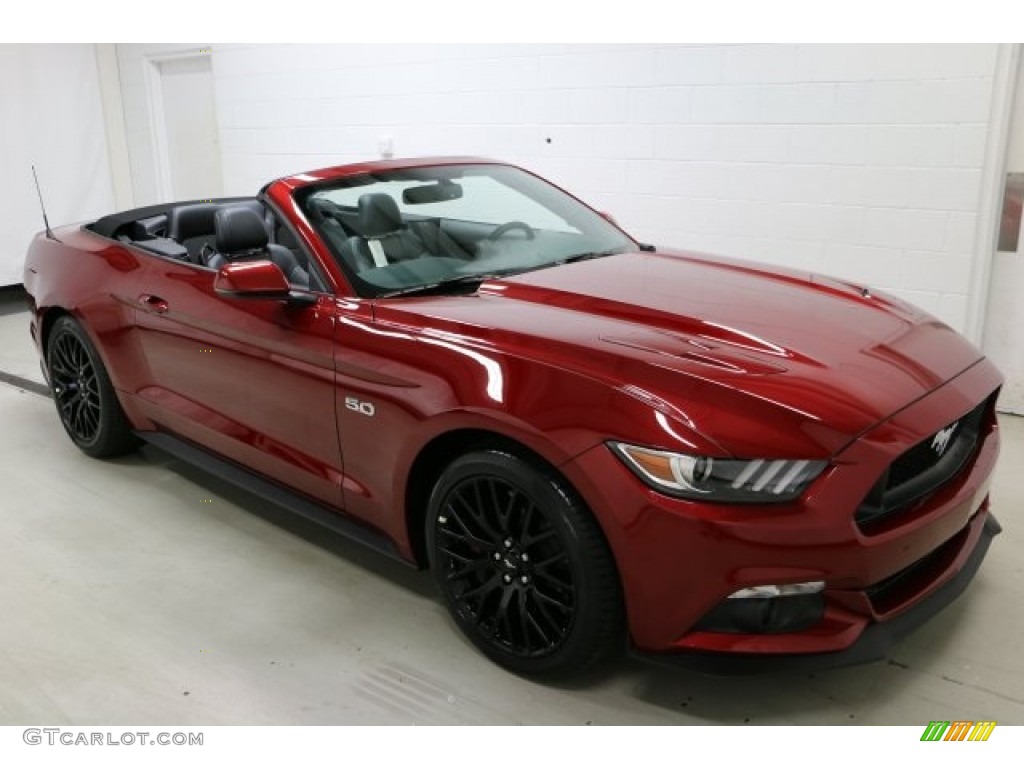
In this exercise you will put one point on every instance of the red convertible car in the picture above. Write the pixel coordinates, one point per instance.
(595, 444)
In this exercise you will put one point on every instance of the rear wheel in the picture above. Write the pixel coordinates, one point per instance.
(523, 566)
(84, 396)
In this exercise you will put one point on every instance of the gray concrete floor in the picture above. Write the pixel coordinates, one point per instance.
(139, 591)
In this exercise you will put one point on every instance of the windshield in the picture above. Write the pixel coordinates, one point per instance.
(429, 228)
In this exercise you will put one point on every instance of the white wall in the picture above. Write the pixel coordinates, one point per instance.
(1004, 327)
(131, 64)
(50, 116)
(859, 161)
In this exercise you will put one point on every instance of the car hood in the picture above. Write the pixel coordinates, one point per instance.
(700, 335)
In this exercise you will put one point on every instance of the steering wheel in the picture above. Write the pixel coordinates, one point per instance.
(508, 226)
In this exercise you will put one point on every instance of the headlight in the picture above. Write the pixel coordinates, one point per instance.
(711, 479)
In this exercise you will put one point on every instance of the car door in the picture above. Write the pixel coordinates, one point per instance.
(251, 379)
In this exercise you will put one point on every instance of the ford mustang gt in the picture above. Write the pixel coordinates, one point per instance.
(595, 444)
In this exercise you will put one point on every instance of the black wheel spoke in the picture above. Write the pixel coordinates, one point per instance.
(505, 566)
(469, 512)
(547, 562)
(529, 541)
(457, 556)
(482, 589)
(76, 387)
(62, 357)
(479, 511)
(504, 620)
(538, 630)
(59, 368)
(494, 497)
(542, 598)
(552, 579)
(472, 566)
(528, 514)
(513, 496)
(467, 534)
(542, 611)
(528, 621)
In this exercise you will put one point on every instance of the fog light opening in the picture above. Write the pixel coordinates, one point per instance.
(779, 590)
(767, 609)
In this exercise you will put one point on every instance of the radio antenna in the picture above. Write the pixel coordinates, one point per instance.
(46, 221)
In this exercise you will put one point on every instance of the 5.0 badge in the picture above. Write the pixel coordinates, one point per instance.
(360, 406)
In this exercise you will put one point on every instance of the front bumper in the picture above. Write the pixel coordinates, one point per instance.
(679, 559)
(873, 643)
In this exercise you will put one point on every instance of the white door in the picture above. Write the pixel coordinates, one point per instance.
(192, 166)
(1004, 321)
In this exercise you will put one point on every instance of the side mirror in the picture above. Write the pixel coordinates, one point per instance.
(252, 279)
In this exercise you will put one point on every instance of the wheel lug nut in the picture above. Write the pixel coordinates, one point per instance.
(497, 555)
(525, 579)
(524, 557)
(508, 542)
(507, 578)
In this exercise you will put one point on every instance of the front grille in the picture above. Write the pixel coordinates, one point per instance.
(923, 469)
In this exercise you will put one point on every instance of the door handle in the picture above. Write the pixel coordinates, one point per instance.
(153, 303)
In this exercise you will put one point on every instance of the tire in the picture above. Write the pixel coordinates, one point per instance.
(523, 566)
(85, 399)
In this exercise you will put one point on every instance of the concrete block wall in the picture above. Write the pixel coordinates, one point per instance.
(863, 162)
(131, 63)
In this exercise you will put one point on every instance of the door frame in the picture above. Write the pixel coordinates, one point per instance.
(153, 82)
(990, 203)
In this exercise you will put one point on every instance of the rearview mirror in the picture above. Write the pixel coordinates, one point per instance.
(251, 279)
(438, 192)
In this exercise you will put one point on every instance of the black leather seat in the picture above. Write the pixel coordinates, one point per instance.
(384, 237)
(241, 235)
(326, 216)
(193, 225)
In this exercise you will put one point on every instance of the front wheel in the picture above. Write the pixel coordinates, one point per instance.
(523, 566)
(84, 396)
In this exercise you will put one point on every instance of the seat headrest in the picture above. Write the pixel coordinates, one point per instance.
(322, 207)
(378, 215)
(239, 229)
(193, 220)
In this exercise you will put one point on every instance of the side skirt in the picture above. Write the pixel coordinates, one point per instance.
(257, 485)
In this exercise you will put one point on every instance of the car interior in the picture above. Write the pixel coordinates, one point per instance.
(373, 239)
(383, 247)
(375, 234)
(213, 233)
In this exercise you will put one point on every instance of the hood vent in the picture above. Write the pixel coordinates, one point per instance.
(698, 352)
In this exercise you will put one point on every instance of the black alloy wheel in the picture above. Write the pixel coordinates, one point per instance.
(523, 566)
(75, 388)
(84, 396)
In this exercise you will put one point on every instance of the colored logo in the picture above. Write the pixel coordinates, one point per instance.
(941, 440)
(958, 730)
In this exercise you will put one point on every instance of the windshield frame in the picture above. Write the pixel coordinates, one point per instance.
(594, 222)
